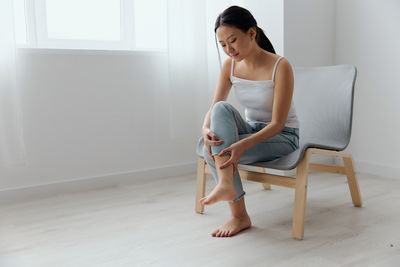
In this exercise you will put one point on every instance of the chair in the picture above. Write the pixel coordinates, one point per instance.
(323, 98)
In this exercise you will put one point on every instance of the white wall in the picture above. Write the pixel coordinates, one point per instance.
(309, 32)
(90, 114)
(269, 17)
(367, 35)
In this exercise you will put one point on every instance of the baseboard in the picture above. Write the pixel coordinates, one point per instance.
(387, 171)
(145, 175)
(12, 195)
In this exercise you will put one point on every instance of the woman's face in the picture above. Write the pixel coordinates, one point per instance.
(236, 43)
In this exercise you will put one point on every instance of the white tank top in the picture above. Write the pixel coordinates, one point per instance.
(257, 99)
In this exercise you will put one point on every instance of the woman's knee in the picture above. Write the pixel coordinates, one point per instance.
(221, 107)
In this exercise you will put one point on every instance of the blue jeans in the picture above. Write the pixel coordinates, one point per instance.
(227, 123)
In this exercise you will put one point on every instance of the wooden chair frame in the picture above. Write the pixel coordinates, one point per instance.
(299, 183)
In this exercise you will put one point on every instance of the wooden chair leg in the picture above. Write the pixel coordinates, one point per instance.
(352, 180)
(200, 184)
(300, 198)
(266, 186)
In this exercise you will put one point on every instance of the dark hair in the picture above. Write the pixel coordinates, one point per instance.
(242, 19)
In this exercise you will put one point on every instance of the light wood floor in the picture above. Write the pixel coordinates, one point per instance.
(154, 224)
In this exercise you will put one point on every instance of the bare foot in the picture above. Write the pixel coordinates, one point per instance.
(233, 226)
(220, 192)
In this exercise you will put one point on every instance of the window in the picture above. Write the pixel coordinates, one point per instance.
(79, 20)
(20, 22)
(92, 24)
(150, 24)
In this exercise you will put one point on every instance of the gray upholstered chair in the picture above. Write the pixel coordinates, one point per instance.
(323, 99)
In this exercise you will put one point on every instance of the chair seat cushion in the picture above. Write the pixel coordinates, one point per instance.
(288, 162)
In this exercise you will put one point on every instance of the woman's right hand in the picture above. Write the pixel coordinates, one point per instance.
(210, 139)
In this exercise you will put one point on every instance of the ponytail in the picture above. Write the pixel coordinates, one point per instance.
(263, 41)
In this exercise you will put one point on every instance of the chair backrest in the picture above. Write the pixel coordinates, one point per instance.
(323, 98)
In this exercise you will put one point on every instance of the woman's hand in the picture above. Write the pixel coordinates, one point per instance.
(210, 139)
(236, 150)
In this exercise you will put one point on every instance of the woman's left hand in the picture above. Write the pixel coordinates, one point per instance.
(236, 150)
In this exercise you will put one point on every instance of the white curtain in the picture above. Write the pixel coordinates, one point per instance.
(12, 149)
(193, 66)
(187, 63)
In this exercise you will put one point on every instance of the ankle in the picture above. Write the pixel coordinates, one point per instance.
(240, 216)
(223, 182)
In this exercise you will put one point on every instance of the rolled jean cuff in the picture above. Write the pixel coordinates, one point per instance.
(215, 150)
(216, 153)
(238, 197)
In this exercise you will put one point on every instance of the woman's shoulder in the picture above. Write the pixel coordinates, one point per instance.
(283, 68)
(283, 63)
(226, 67)
(268, 56)
(227, 63)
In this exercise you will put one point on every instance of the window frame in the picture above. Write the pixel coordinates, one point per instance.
(37, 37)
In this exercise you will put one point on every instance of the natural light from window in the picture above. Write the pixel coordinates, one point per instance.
(150, 24)
(20, 22)
(84, 20)
(92, 24)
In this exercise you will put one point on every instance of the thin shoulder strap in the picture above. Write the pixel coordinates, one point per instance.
(233, 62)
(276, 64)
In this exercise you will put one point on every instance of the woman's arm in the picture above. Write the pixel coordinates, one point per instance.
(222, 91)
(283, 93)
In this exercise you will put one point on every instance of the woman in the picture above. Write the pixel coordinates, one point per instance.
(263, 83)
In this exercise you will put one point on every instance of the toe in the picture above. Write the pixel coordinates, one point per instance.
(223, 233)
(209, 200)
(218, 234)
(206, 201)
(214, 233)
